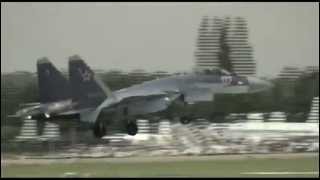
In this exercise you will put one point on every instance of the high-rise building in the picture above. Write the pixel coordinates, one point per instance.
(223, 43)
(207, 53)
(240, 50)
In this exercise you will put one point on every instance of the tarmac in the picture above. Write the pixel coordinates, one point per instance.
(24, 160)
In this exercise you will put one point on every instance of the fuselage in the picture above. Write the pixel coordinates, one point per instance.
(195, 87)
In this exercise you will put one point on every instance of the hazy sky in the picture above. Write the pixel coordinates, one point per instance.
(151, 36)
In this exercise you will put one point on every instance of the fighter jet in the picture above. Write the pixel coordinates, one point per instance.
(151, 98)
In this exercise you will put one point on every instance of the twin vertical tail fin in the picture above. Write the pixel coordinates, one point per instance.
(87, 90)
(53, 86)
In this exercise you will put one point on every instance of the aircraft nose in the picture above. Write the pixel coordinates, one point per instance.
(257, 85)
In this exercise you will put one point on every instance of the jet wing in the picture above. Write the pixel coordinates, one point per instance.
(147, 96)
(139, 105)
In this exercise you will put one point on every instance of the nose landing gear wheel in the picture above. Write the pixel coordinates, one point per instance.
(132, 129)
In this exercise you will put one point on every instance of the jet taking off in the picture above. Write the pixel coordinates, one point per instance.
(155, 97)
(86, 98)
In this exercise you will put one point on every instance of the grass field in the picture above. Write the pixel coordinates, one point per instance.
(182, 167)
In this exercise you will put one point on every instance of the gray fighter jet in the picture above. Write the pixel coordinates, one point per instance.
(151, 98)
(87, 98)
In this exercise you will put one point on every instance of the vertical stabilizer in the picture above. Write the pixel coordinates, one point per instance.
(87, 90)
(53, 86)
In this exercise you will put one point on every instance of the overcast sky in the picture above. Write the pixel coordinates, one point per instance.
(151, 36)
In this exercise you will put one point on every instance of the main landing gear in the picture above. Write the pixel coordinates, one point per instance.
(99, 129)
(132, 128)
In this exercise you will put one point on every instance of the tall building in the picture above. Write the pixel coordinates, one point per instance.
(240, 50)
(224, 53)
(223, 43)
(207, 53)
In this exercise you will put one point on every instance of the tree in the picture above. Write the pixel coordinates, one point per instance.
(305, 89)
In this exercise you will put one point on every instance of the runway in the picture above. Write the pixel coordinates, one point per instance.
(23, 160)
(249, 165)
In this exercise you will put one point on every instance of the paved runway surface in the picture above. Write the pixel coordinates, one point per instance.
(162, 158)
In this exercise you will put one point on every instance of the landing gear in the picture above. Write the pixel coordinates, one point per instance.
(99, 129)
(132, 128)
(185, 120)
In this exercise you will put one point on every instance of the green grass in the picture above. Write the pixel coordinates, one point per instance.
(188, 168)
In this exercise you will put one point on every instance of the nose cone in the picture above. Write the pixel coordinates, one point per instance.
(257, 85)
